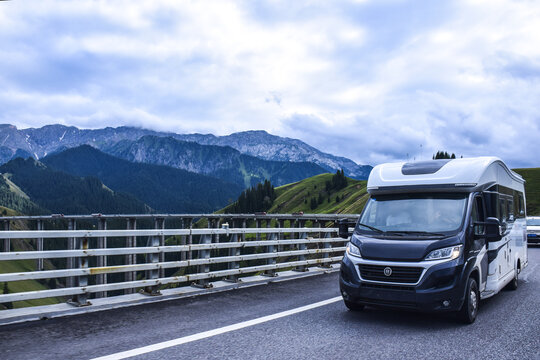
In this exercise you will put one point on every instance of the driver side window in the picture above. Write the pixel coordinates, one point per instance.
(478, 215)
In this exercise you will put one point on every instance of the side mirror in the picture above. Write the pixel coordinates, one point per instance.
(493, 229)
(343, 228)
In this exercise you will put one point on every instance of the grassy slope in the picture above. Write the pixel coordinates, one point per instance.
(532, 189)
(14, 188)
(296, 197)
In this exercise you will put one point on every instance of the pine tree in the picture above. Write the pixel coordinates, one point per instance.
(313, 203)
(255, 199)
(339, 181)
(443, 155)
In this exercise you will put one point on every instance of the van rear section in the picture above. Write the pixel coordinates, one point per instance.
(436, 236)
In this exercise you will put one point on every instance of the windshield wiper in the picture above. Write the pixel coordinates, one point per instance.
(371, 228)
(427, 233)
(377, 230)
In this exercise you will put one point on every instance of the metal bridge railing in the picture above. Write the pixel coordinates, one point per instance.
(94, 260)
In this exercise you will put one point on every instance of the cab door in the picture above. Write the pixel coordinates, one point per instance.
(507, 214)
(478, 242)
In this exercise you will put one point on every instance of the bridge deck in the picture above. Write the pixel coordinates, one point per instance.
(507, 327)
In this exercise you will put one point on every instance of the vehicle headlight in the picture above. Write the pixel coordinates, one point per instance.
(450, 253)
(353, 250)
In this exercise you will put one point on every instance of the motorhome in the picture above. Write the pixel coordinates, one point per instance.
(436, 235)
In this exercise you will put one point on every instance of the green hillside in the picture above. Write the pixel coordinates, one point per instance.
(297, 197)
(532, 189)
(12, 199)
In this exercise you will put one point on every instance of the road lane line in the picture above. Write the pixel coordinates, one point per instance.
(218, 331)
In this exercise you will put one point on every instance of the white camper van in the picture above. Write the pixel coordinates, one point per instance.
(437, 235)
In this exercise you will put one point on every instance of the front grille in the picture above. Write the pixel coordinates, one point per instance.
(400, 274)
(388, 287)
(405, 304)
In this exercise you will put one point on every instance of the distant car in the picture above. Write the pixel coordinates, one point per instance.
(533, 230)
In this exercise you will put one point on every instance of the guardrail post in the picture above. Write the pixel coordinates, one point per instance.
(7, 242)
(131, 259)
(280, 235)
(326, 245)
(81, 280)
(183, 240)
(101, 260)
(72, 225)
(160, 224)
(244, 225)
(204, 254)
(270, 249)
(303, 235)
(190, 239)
(233, 265)
(257, 225)
(154, 258)
(39, 245)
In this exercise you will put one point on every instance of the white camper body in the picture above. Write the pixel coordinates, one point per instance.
(436, 236)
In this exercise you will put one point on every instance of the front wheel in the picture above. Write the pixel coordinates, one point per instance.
(469, 310)
(353, 306)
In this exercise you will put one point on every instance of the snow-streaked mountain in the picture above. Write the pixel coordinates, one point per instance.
(39, 142)
(271, 147)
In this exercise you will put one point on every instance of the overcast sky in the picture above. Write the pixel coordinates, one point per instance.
(373, 80)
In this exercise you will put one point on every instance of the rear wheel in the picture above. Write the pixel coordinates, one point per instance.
(513, 285)
(469, 310)
(353, 306)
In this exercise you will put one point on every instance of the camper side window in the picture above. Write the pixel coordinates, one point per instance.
(502, 209)
(510, 209)
(521, 210)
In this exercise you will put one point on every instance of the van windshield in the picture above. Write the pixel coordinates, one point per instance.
(440, 214)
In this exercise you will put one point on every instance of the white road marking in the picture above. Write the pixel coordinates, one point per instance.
(218, 331)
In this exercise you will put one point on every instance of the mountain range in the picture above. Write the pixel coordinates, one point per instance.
(39, 142)
(132, 170)
(221, 162)
(163, 188)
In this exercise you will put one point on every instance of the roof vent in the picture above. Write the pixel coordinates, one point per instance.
(423, 167)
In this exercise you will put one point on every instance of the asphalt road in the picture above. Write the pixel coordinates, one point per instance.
(507, 327)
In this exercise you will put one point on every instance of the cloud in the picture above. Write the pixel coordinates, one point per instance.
(371, 80)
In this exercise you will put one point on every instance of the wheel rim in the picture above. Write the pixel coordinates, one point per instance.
(473, 298)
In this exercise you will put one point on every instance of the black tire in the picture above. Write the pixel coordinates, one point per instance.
(469, 310)
(513, 285)
(353, 306)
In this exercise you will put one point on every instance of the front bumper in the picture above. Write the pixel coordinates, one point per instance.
(439, 288)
